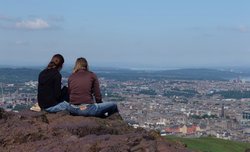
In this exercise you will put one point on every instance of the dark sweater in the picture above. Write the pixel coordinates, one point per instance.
(49, 88)
(84, 88)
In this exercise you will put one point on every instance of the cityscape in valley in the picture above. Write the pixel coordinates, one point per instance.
(177, 71)
(187, 103)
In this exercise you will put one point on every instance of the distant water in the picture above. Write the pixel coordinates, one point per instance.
(246, 79)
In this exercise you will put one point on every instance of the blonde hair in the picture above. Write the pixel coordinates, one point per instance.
(81, 63)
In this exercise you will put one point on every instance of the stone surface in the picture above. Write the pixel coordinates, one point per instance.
(29, 131)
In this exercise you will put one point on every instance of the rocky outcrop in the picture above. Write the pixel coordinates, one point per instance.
(29, 131)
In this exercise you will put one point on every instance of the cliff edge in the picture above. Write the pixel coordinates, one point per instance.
(45, 132)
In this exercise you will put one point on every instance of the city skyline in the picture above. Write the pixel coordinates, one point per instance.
(141, 34)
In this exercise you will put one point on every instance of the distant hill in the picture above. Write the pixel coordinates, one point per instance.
(17, 75)
(200, 74)
(210, 144)
(14, 75)
(179, 74)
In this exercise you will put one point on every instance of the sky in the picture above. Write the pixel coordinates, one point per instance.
(126, 33)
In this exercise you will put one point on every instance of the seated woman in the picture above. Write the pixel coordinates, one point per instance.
(50, 95)
(85, 95)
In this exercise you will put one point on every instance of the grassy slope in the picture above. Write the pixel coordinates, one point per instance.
(208, 144)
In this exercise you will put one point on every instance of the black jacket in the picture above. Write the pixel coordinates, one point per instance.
(49, 88)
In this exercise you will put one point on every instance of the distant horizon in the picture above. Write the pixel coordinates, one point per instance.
(120, 67)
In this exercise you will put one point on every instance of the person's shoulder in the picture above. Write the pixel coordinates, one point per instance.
(71, 75)
(53, 73)
(44, 71)
(92, 74)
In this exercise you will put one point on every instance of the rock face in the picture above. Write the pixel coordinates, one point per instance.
(30, 131)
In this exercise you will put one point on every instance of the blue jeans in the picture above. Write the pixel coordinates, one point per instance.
(59, 107)
(95, 110)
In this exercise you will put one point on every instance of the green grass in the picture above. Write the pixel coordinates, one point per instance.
(210, 144)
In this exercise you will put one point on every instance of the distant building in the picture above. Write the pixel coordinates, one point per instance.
(222, 115)
(189, 129)
(184, 129)
(246, 115)
(246, 118)
(173, 129)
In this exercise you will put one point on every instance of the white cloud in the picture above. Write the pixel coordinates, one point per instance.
(6, 18)
(35, 24)
(21, 42)
(243, 29)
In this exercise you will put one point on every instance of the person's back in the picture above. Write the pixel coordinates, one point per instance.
(49, 88)
(50, 96)
(83, 89)
(83, 85)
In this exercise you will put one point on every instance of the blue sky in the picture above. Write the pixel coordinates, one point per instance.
(131, 33)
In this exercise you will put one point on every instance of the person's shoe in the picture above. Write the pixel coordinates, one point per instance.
(35, 107)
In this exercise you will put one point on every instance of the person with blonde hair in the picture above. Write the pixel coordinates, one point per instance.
(85, 95)
(51, 97)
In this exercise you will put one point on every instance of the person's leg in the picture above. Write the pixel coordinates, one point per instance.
(59, 107)
(73, 110)
(95, 110)
(83, 110)
(106, 109)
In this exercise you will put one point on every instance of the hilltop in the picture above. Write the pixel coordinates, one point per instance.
(41, 131)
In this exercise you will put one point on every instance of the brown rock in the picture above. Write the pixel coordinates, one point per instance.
(41, 131)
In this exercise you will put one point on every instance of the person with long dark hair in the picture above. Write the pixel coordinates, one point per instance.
(51, 97)
(84, 93)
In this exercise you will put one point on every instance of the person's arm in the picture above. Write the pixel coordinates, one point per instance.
(69, 88)
(96, 88)
(58, 81)
(65, 94)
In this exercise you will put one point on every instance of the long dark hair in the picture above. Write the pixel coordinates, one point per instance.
(56, 62)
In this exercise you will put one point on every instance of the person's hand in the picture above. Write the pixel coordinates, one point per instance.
(82, 107)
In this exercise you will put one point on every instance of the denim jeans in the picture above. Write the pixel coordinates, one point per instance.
(59, 107)
(95, 110)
